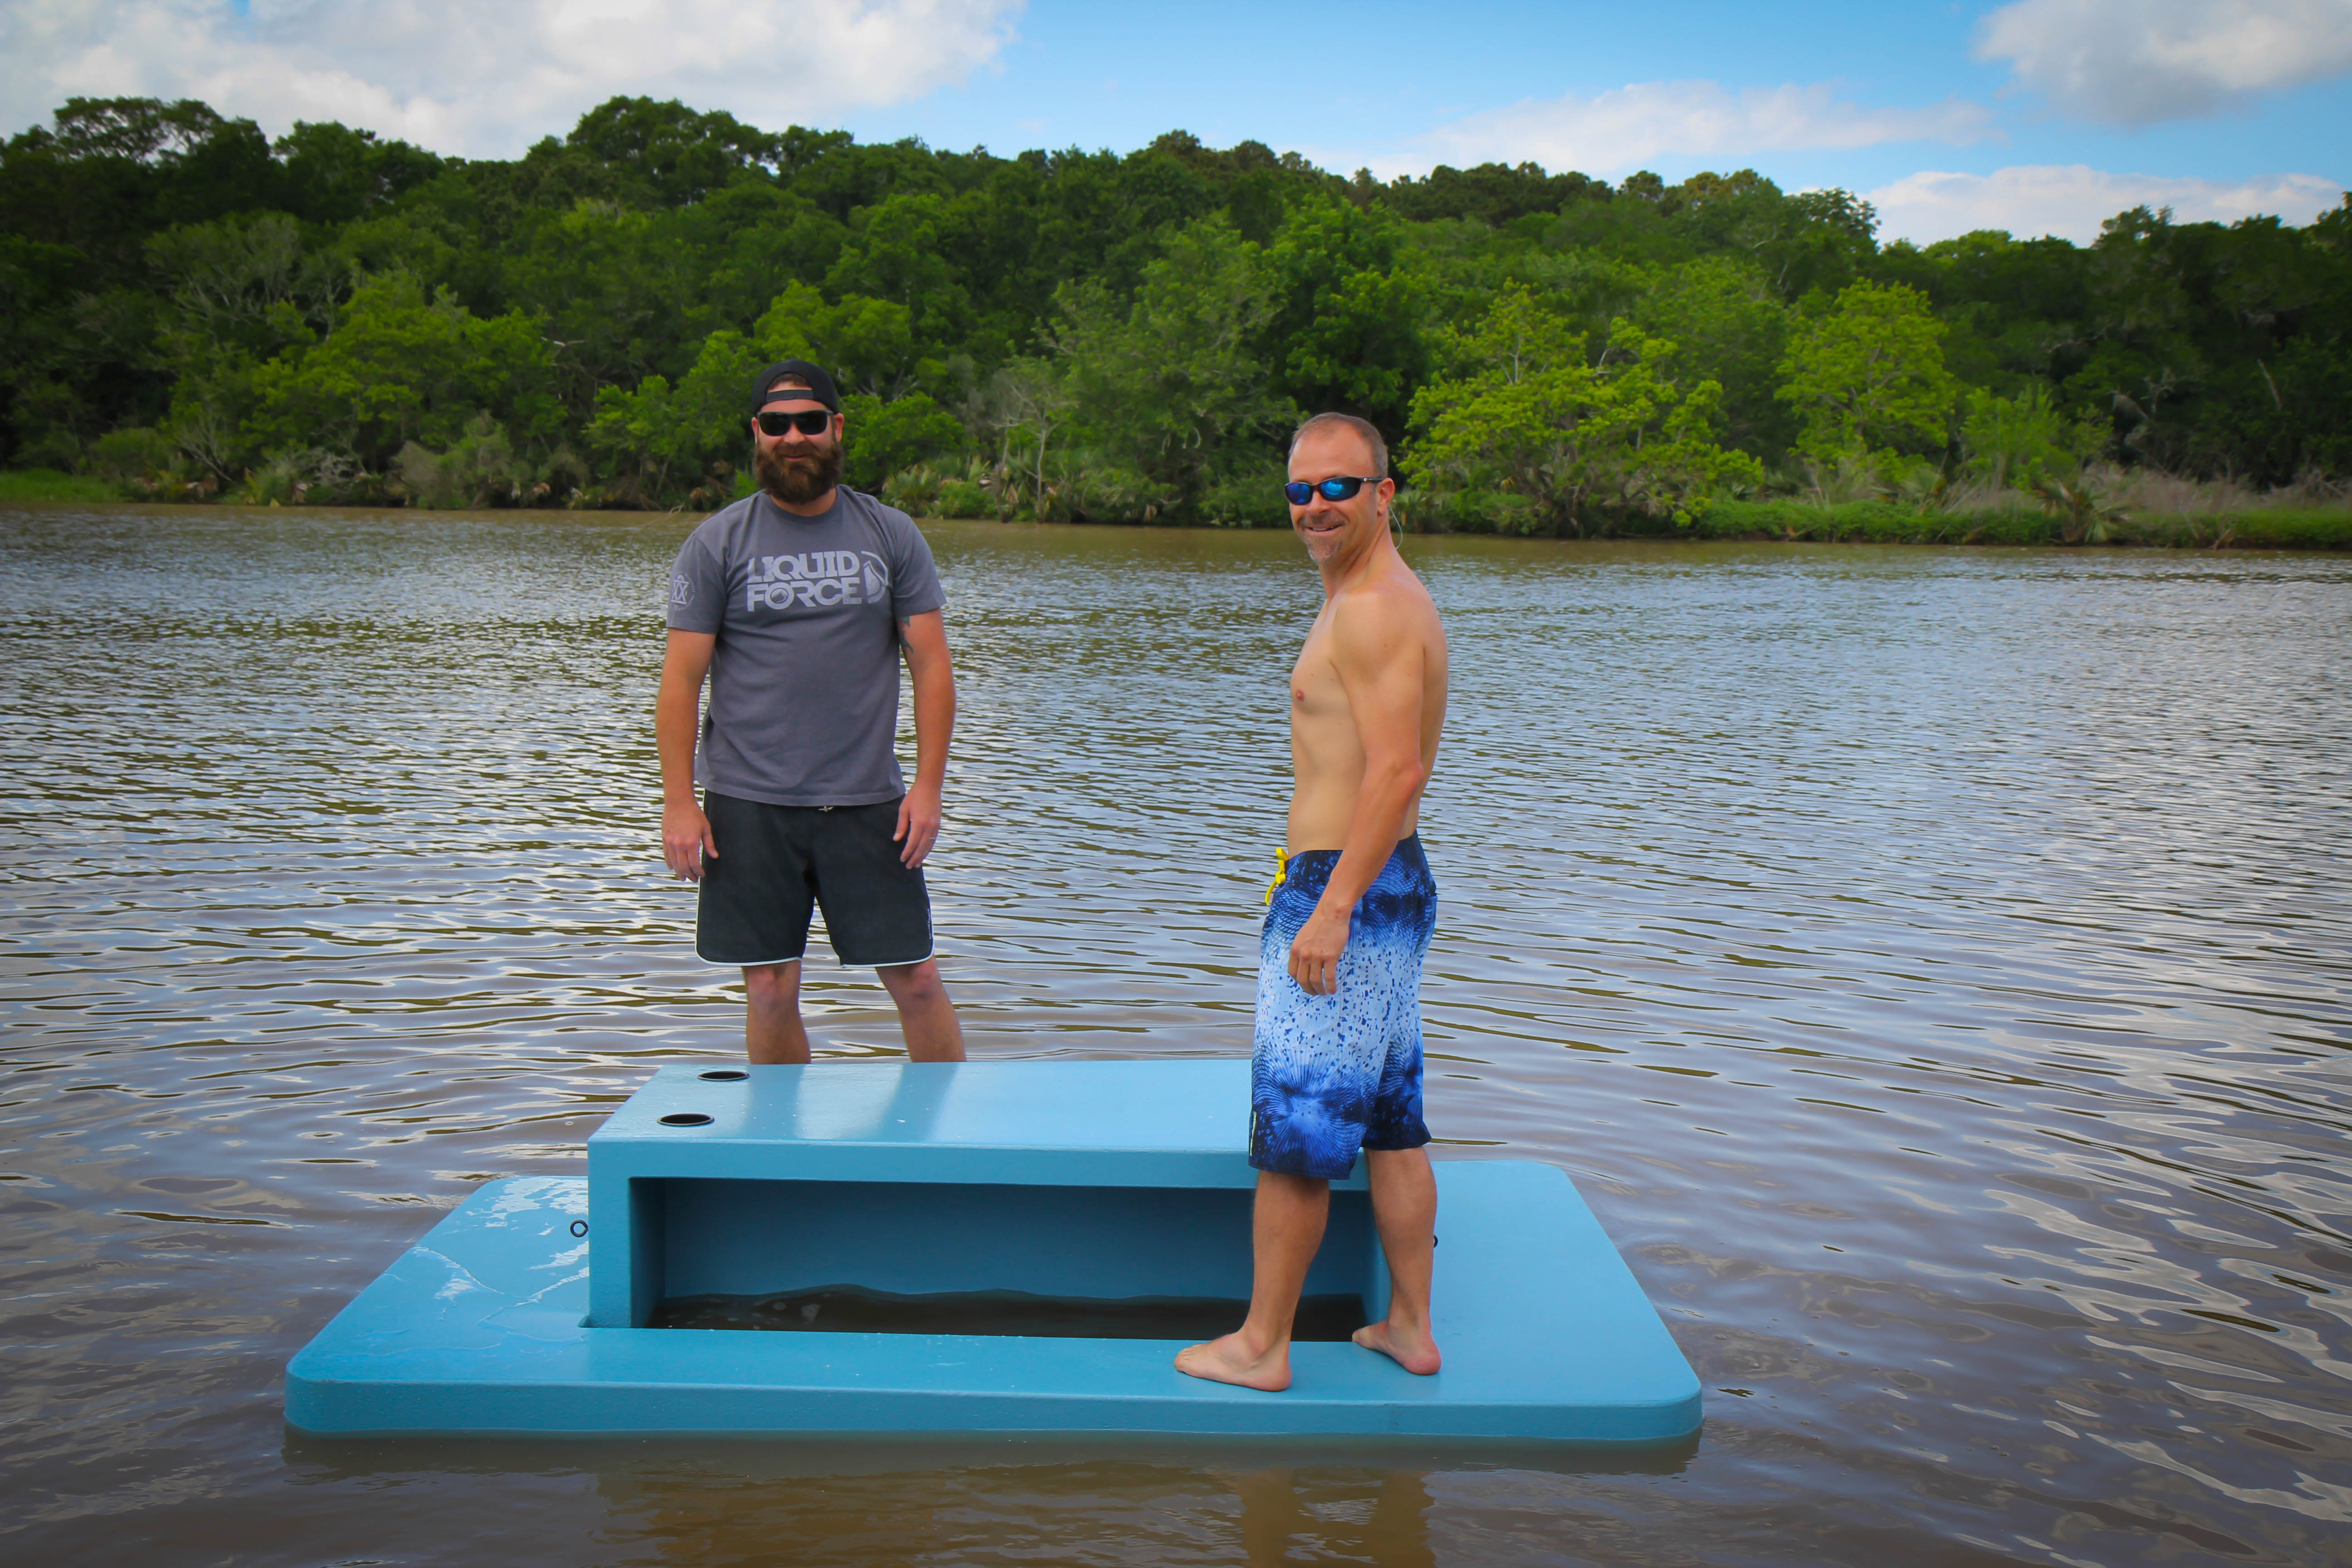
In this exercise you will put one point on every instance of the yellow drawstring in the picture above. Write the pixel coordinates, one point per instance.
(1281, 874)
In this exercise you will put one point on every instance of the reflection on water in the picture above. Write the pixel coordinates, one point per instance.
(1932, 965)
(1242, 1502)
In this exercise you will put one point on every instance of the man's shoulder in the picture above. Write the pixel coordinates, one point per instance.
(1394, 590)
(725, 526)
(1382, 610)
(880, 513)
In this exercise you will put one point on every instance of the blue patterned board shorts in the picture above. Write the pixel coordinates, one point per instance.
(1330, 1075)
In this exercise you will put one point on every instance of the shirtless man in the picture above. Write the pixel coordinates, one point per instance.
(1337, 1064)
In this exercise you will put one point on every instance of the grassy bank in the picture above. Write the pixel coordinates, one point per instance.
(49, 484)
(1787, 520)
(1883, 523)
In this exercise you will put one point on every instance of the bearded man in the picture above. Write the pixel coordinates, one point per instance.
(796, 603)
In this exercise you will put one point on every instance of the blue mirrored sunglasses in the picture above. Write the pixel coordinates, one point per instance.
(1300, 493)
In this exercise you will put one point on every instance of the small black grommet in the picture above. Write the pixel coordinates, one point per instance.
(724, 1075)
(578, 1227)
(686, 1118)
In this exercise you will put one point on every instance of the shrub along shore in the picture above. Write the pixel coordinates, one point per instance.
(1880, 522)
(1788, 522)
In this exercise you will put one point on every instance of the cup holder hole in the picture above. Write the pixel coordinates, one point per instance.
(724, 1075)
(686, 1118)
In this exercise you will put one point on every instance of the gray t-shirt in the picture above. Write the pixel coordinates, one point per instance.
(804, 678)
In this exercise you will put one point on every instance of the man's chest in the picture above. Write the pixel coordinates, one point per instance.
(765, 587)
(1315, 693)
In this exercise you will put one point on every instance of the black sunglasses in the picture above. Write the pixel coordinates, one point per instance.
(1300, 493)
(808, 422)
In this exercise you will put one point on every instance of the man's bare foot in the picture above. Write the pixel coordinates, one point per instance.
(1412, 1349)
(1228, 1360)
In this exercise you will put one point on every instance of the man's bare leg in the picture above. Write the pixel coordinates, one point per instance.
(1404, 1207)
(1285, 1228)
(926, 1017)
(771, 1019)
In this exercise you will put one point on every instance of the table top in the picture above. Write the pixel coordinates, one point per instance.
(1180, 1121)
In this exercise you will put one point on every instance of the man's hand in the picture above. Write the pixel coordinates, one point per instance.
(686, 839)
(918, 824)
(1315, 951)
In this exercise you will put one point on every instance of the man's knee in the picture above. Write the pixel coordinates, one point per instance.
(1283, 1187)
(772, 984)
(914, 984)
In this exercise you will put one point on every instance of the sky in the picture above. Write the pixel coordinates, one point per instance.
(2036, 116)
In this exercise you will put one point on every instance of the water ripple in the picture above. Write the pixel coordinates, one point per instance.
(1933, 965)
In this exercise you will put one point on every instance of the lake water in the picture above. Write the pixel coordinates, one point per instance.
(1935, 967)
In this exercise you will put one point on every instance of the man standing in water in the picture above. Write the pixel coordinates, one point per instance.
(1337, 1064)
(795, 603)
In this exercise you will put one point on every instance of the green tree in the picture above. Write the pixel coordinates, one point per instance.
(880, 438)
(1562, 437)
(649, 434)
(670, 156)
(747, 237)
(865, 345)
(1017, 412)
(1728, 326)
(613, 285)
(164, 267)
(400, 367)
(1815, 241)
(1349, 304)
(904, 252)
(2019, 442)
(662, 435)
(242, 291)
(1491, 194)
(1170, 389)
(1868, 377)
(247, 284)
(659, 436)
(336, 175)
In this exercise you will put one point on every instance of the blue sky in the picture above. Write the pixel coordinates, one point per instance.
(1098, 76)
(2036, 115)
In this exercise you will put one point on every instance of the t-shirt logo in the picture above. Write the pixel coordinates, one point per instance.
(681, 592)
(817, 579)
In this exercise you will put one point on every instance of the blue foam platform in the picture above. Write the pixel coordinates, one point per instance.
(524, 1311)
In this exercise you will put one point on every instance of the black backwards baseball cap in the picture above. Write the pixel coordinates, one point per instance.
(820, 384)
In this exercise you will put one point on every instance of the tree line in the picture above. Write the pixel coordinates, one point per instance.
(193, 309)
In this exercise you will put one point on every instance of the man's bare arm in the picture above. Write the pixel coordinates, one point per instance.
(933, 676)
(1378, 658)
(677, 713)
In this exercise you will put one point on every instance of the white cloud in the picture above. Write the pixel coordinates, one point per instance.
(2134, 62)
(1616, 132)
(2071, 201)
(488, 78)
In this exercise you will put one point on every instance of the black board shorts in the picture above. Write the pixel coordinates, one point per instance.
(777, 863)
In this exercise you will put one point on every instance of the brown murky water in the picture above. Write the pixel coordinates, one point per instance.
(1932, 966)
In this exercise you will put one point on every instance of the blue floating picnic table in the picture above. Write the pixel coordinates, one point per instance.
(528, 1309)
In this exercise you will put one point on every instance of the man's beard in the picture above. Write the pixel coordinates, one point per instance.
(796, 481)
